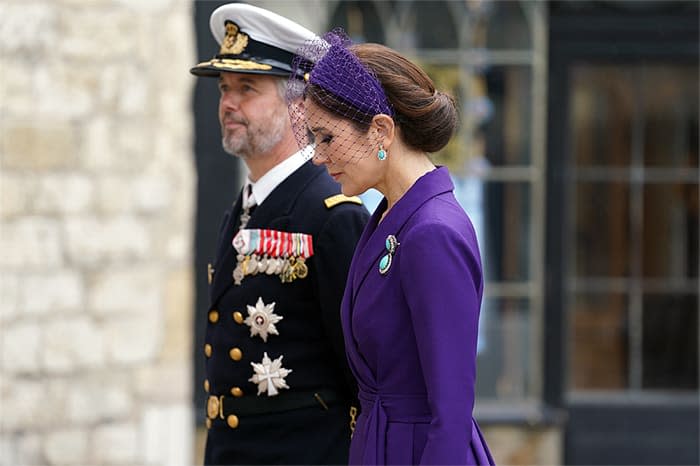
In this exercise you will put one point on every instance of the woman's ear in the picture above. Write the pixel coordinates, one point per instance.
(384, 129)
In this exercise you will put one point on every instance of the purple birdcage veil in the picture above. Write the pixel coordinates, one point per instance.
(332, 107)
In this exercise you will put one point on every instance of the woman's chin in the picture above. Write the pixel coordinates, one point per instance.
(349, 190)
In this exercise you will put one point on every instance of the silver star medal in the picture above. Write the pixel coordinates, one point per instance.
(269, 375)
(261, 319)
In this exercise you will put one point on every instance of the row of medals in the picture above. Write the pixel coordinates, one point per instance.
(288, 268)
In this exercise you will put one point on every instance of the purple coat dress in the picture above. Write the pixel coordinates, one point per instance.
(410, 333)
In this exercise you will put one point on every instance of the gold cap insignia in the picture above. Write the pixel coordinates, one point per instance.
(235, 41)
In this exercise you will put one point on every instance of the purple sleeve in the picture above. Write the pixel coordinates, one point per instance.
(441, 279)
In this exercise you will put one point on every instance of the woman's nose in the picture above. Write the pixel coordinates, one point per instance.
(319, 157)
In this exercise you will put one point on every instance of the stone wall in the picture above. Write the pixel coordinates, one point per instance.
(96, 196)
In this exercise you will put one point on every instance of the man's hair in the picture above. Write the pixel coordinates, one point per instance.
(281, 87)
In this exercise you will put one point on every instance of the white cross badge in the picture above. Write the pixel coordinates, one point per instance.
(261, 319)
(269, 375)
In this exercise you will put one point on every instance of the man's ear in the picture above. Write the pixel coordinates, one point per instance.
(384, 129)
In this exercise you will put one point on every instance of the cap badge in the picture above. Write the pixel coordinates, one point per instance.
(235, 41)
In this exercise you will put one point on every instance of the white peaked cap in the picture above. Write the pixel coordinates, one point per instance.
(252, 40)
(260, 24)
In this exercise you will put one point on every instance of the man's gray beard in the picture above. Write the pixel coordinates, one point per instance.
(257, 142)
(236, 147)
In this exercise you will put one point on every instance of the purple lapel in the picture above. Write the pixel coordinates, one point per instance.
(372, 246)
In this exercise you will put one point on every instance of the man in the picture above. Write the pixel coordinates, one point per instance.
(280, 391)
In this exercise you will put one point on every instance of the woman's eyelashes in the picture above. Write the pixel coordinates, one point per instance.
(322, 138)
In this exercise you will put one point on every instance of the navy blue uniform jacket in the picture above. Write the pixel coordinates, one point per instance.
(308, 423)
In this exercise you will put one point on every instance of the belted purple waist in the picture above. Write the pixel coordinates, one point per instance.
(379, 409)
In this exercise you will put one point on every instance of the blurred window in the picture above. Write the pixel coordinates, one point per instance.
(632, 283)
(491, 55)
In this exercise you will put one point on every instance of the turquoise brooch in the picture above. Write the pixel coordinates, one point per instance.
(385, 262)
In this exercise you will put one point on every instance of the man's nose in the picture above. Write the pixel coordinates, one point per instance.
(229, 101)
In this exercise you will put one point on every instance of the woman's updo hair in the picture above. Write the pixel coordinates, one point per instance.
(427, 118)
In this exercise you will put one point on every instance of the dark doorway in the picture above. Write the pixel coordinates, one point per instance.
(623, 230)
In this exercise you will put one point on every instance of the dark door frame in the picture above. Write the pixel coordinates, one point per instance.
(609, 430)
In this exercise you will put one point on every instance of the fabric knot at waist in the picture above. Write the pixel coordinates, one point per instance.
(396, 407)
(382, 408)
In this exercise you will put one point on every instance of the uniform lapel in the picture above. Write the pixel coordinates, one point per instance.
(228, 225)
(281, 200)
(223, 250)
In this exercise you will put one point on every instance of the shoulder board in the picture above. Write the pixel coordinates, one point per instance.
(339, 199)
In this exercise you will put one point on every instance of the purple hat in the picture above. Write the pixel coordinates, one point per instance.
(334, 78)
(329, 64)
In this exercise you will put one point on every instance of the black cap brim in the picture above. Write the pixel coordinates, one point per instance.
(216, 65)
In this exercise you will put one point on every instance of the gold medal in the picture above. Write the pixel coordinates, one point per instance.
(301, 270)
(287, 274)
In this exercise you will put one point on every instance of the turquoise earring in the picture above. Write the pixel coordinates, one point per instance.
(381, 153)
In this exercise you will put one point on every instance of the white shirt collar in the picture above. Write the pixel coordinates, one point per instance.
(270, 180)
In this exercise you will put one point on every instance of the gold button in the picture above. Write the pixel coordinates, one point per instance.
(208, 423)
(213, 407)
(207, 350)
(232, 421)
(206, 385)
(237, 392)
(238, 317)
(236, 354)
(213, 316)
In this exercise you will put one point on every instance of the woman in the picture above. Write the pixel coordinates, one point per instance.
(411, 306)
